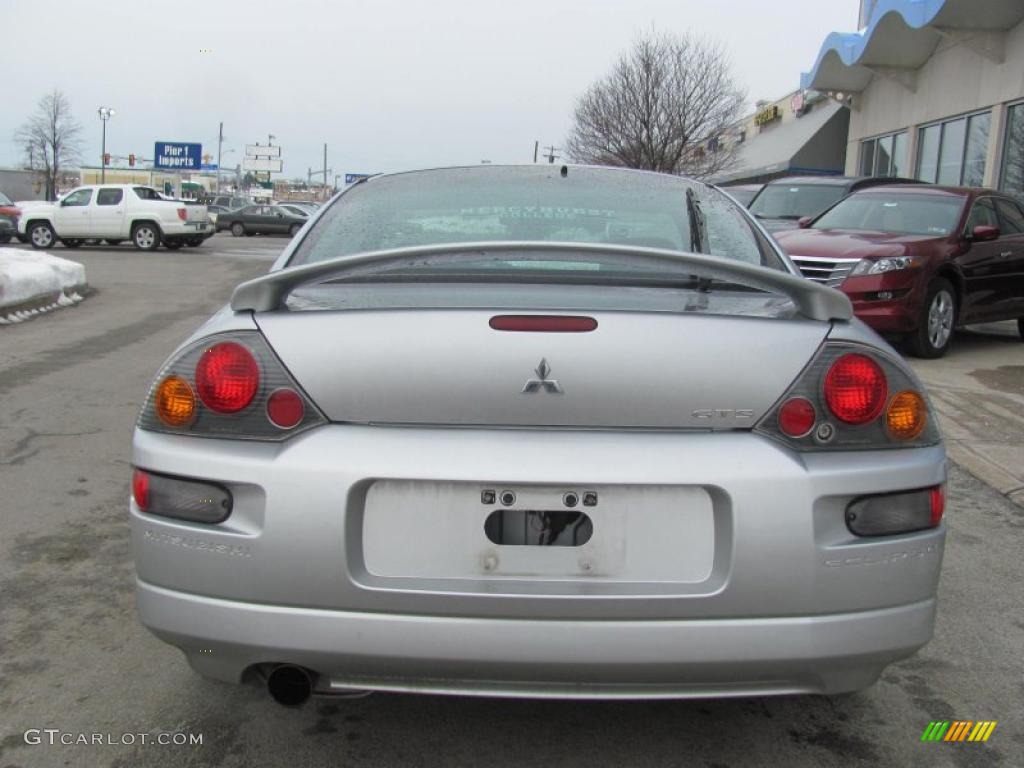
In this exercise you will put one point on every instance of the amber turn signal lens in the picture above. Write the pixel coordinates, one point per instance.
(175, 402)
(907, 416)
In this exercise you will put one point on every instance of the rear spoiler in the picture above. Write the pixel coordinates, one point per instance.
(813, 300)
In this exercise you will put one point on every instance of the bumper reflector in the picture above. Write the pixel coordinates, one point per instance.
(894, 513)
(180, 498)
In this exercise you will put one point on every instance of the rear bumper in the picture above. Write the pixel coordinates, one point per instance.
(566, 659)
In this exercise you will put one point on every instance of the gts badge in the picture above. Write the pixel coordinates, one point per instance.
(723, 413)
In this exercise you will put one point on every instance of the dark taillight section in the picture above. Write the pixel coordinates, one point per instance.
(181, 498)
(892, 513)
(227, 377)
(140, 489)
(544, 323)
(855, 389)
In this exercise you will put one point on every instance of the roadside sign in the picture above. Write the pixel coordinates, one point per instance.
(262, 164)
(209, 167)
(256, 150)
(180, 156)
(352, 178)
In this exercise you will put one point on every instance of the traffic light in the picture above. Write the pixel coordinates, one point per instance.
(106, 158)
(131, 160)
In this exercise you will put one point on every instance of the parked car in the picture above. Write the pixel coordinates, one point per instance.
(116, 212)
(918, 260)
(214, 211)
(537, 431)
(783, 202)
(9, 214)
(261, 220)
(231, 202)
(296, 209)
(744, 193)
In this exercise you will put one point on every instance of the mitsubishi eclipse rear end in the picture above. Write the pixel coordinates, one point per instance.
(537, 431)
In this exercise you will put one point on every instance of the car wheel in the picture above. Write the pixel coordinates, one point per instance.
(71, 243)
(294, 230)
(113, 242)
(194, 242)
(238, 229)
(173, 245)
(937, 321)
(146, 236)
(41, 235)
(5, 239)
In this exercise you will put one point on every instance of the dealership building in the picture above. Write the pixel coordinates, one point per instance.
(935, 90)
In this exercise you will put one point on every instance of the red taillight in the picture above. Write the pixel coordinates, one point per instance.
(285, 408)
(937, 497)
(182, 214)
(140, 489)
(227, 377)
(855, 389)
(796, 417)
(544, 323)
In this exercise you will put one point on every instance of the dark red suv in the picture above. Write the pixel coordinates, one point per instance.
(919, 260)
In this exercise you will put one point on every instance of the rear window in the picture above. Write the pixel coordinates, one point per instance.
(586, 205)
(899, 214)
(794, 201)
(146, 193)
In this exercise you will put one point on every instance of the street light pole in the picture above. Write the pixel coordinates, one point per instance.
(220, 143)
(105, 114)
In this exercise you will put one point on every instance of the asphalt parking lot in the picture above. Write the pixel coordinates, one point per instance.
(73, 657)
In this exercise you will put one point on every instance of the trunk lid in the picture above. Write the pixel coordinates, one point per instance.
(642, 368)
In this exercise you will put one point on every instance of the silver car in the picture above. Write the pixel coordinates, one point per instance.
(548, 431)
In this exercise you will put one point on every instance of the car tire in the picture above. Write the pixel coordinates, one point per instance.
(172, 245)
(1020, 327)
(5, 239)
(72, 243)
(294, 230)
(194, 242)
(931, 338)
(113, 242)
(238, 229)
(146, 236)
(42, 236)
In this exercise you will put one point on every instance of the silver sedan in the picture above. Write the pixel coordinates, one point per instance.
(537, 431)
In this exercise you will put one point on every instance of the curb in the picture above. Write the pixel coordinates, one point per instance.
(43, 303)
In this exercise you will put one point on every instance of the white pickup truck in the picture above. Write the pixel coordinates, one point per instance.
(114, 213)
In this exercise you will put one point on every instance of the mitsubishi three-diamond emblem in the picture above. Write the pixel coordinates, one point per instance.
(542, 381)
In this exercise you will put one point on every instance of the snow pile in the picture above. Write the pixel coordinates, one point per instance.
(36, 282)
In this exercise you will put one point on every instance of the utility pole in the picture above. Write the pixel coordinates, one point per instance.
(536, 146)
(550, 155)
(325, 168)
(220, 143)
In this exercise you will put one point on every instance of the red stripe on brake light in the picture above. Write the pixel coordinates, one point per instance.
(544, 323)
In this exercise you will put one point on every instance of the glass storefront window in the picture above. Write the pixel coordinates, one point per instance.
(954, 152)
(1011, 176)
(951, 151)
(928, 153)
(976, 150)
(899, 154)
(884, 156)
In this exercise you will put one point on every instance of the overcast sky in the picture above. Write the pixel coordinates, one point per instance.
(387, 84)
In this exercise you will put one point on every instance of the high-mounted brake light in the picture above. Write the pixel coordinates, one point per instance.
(855, 389)
(227, 377)
(544, 323)
(182, 214)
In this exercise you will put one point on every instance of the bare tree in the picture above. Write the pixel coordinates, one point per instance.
(666, 106)
(51, 138)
